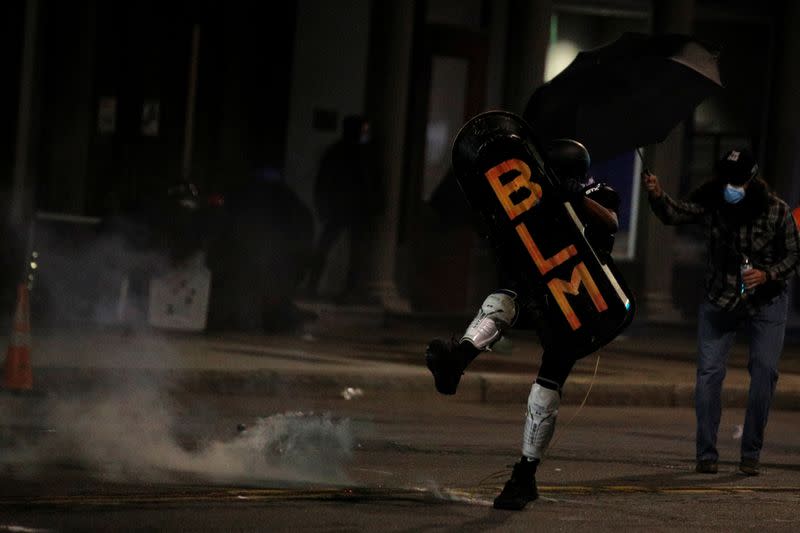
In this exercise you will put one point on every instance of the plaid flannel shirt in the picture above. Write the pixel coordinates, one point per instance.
(770, 241)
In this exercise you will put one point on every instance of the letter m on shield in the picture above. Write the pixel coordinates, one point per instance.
(580, 275)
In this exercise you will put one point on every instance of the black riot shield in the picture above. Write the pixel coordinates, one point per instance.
(531, 223)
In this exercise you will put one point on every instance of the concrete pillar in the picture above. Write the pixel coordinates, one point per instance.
(498, 42)
(783, 164)
(64, 161)
(17, 228)
(526, 50)
(386, 104)
(666, 161)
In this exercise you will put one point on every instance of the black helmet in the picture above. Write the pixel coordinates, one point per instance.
(568, 158)
(736, 166)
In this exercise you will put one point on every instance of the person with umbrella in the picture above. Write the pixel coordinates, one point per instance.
(753, 248)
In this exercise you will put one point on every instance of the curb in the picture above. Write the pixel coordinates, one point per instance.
(480, 387)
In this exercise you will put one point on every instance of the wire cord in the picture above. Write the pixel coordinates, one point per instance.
(502, 473)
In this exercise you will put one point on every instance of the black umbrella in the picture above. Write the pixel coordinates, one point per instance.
(629, 93)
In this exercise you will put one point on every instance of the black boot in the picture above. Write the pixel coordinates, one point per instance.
(447, 361)
(521, 488)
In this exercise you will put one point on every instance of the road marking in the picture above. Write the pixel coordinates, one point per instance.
(644, 489)
(13, 528)
(201, 495)
(471, 495)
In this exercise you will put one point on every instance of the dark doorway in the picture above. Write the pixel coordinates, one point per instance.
(449, 86)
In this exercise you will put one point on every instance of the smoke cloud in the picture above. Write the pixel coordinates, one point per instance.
(130, 430)
(131, 436)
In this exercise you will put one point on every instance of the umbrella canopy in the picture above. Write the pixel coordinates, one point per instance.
(629, 93)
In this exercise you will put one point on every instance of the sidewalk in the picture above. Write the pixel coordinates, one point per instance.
(642, 367)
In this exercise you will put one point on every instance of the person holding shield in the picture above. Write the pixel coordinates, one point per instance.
(596, 204)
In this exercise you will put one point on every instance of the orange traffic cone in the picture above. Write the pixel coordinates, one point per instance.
(18, 373)
(796, 216)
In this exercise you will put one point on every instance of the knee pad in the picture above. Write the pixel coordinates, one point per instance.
(540, 421)
(497, 313)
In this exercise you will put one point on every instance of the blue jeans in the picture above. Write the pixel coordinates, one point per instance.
(716, 332)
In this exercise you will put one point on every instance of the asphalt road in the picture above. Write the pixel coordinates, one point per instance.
(304, 462)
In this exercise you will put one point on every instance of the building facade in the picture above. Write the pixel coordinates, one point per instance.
(115, 100)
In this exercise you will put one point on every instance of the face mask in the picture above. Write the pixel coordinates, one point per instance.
(733, 195)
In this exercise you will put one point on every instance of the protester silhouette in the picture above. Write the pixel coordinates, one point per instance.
(347, 194)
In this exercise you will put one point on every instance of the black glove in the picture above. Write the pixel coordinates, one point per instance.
(571, 187)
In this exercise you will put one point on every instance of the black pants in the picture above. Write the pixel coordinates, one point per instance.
(555, 369)
(557, 361)
(331, 231)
